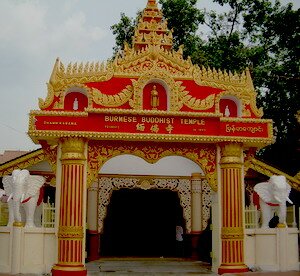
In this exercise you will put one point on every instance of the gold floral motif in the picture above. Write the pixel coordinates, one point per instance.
(112, 100)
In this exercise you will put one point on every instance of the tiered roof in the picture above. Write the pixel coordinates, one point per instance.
(152, 29)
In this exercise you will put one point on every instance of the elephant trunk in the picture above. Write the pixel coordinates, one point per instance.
(16, 208)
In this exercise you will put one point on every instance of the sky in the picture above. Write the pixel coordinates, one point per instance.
(33, 33)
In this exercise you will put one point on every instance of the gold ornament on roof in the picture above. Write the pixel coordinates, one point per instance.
(152, 29)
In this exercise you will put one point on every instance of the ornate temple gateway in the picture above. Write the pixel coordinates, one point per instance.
(152, 103)
(149, 102)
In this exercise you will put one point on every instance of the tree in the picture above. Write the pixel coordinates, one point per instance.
(124, 31)
(258, 34)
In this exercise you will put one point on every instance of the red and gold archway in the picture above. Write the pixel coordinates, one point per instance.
(152, 102)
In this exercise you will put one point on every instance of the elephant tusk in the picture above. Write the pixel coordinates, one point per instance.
(289, 201)
(22, 197)
(10, 197)
(278, 199)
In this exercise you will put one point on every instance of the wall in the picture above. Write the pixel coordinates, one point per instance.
(33, 251)
(273, 249)
(133, 165)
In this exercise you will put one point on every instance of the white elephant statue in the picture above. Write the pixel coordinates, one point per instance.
(22, 188)
(273, 194)
(2, 193)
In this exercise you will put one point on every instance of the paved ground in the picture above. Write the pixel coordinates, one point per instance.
(157, 267)
(148, 266)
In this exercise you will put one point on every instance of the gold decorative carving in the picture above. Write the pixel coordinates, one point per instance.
(156, 73)
(145, 184)
(112, 100)
(195, 103)
(204, 155)
(268, 170)
(50, 155)
(70, 232)
(22, 162)
(248, 157)
(237, 85)
(62, 78)
(298, 116)
(107, 185)
(73, 148)
(151, 30)
(132, 63)
(232, 232)
(231, 153)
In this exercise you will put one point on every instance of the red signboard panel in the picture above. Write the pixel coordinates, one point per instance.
(153, 124)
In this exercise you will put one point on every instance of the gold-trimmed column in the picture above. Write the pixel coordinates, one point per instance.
(196, 196)
(70, 230)
(232, 231)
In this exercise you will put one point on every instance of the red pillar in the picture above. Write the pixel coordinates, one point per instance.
(232, 231)
(71, 231)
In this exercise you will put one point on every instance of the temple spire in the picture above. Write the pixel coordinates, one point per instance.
(152, 29)
(151, 3)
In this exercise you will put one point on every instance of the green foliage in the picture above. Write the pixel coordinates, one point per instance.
(124, 31)
(260, 34)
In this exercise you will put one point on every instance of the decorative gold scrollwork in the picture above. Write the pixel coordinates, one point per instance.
(112, 100)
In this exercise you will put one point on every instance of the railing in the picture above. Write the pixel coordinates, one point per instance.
(48, 215)
(291, 216)
(4, 215)
(251, 217)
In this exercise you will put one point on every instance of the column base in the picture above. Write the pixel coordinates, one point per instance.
(58, 270)
(93, 242)
(232, 269)
(195, 236)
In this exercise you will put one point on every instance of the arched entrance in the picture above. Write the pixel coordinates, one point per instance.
(141, 223)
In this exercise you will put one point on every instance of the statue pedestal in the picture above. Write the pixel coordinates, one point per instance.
(17, 236)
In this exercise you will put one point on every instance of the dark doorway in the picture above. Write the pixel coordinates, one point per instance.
(141, 223)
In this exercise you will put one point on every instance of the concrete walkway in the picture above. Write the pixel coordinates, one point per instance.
(148, 266)
(157, 267)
